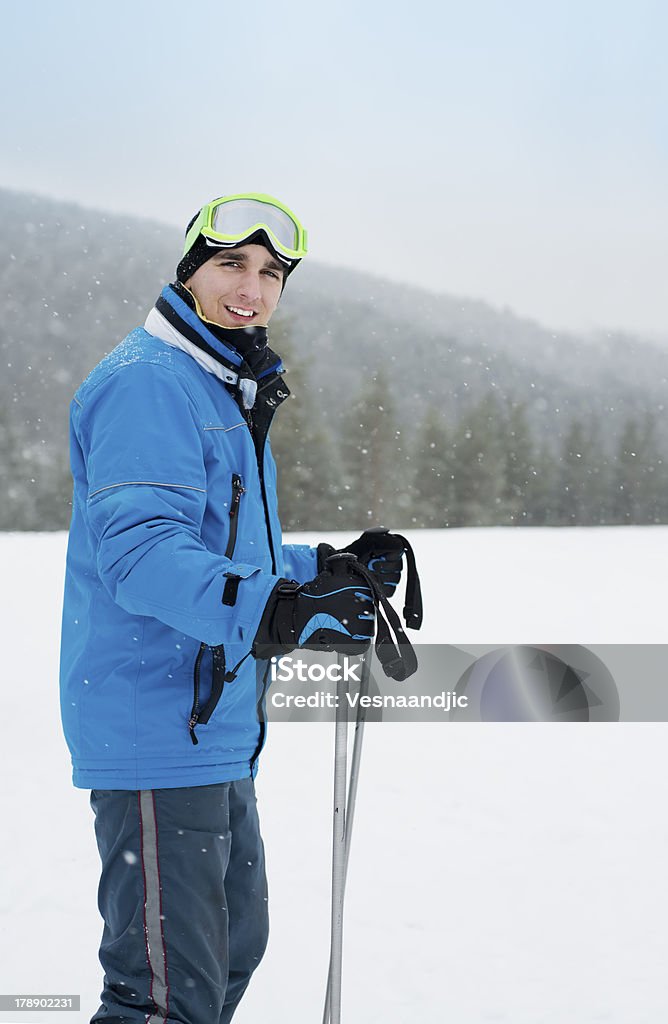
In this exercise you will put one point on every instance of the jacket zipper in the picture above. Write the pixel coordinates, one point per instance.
(261, 718)
(194, 713)
(259, 454)
(266, 512)
(259, 450)
(237, 490)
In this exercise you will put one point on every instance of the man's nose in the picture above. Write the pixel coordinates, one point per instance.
(249, 286)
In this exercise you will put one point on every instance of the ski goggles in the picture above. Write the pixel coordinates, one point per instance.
(233, 219)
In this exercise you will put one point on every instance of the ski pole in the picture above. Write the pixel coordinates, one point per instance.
(338, 848)
(357, 754)
(351, 798)
(399, 661)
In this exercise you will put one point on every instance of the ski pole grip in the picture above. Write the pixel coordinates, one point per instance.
(341, 563)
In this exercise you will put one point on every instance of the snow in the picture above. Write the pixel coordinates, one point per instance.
(499, 873)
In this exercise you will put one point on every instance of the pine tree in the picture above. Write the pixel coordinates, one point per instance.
(572, 478)
(376, 474)
(520, 466)
(305, 455)
(639, 475)
(584, 477)
(479, 466)
(13, 508)
(433, 492)
(542, 491)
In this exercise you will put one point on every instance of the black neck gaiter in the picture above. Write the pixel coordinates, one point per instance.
(252, 343)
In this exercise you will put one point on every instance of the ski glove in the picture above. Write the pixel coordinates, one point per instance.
(335, 611)
(377, 549)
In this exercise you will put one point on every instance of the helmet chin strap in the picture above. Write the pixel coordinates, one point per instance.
(214, 323)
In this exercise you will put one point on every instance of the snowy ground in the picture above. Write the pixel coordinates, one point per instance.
(500, 873)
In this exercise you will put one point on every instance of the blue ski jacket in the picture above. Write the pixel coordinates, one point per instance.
(174, 547)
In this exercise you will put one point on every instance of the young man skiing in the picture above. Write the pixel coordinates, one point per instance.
(176, 580)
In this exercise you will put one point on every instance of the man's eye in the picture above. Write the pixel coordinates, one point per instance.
(272, 273)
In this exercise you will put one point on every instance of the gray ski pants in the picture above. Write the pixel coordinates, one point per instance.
(183, 896)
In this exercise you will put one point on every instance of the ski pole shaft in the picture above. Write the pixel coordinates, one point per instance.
(351, 798)
(356, 756)
(338, 848)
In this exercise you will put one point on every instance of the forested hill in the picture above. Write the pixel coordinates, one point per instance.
(74, 281)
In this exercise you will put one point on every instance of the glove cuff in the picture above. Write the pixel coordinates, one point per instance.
(324, 551)
(276, 634)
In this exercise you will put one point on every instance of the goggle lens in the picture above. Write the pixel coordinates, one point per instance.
(234, 220)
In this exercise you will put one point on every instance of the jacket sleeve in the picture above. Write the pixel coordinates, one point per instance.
(300, 561)
(141, 440)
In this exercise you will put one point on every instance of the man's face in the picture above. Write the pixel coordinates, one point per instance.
(239, 286)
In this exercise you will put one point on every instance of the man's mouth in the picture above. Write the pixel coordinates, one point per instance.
(243, 314)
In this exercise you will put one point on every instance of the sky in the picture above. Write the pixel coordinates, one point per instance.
(509, 150)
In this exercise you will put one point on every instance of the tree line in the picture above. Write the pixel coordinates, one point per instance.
(490, 418)
(482, 469)
(366, 467)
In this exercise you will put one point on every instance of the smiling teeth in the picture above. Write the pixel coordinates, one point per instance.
(241, 312)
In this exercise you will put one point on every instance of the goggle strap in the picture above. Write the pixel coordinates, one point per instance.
(204, 225)
(213, 243)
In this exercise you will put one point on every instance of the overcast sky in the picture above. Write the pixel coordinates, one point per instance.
(510, 150)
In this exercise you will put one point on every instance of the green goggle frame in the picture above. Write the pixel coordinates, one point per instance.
(232, 219)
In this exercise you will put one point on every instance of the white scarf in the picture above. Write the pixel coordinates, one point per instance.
(157, 325)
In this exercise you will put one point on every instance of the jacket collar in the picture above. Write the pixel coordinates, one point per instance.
(176, 323)
(157, 325)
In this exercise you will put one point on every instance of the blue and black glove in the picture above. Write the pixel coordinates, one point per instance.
(335, 611)
(379, 550)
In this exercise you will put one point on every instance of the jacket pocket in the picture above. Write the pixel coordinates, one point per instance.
(200, 714)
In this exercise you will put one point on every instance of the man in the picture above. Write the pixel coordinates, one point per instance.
(176, 578)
